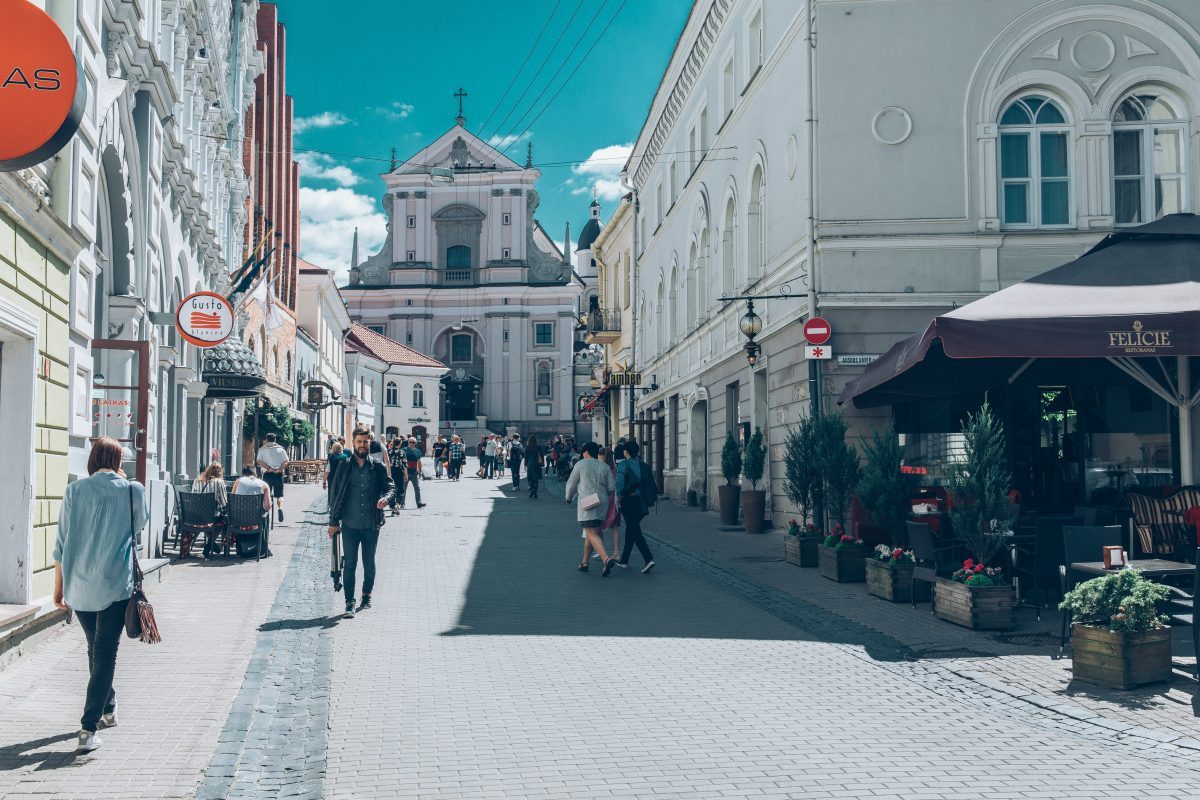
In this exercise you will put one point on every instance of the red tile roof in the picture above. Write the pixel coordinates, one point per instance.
(367, 341)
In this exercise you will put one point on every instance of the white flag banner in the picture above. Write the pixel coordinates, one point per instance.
(273, 318)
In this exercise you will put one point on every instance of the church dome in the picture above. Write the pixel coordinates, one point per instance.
(591, 229)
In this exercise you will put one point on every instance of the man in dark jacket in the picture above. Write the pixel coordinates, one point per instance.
(359, 491)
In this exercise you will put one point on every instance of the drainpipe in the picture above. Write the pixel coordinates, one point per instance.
(633, 266)
(814, 365)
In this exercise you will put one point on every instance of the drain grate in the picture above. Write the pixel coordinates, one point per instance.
(1027, 639)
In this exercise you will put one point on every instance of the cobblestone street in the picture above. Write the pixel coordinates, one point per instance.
(490, 667)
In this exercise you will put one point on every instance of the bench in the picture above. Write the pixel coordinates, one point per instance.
(1159, 520)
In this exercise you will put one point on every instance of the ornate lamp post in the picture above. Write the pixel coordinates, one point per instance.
(751, 324)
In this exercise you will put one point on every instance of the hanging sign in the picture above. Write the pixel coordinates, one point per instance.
(204, 319)
(40, 85)
(817, 330)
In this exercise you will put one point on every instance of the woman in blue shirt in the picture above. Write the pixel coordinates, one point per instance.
(93, 572)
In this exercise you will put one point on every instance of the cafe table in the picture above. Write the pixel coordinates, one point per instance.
(1149, 567)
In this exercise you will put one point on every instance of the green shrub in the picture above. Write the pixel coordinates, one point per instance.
(802, 483)
(755, 458)
(981, 512)
(884, 489)
(1122, 601)
(731, 460)
(838, 463)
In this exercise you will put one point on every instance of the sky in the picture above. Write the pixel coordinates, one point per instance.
(369, 75)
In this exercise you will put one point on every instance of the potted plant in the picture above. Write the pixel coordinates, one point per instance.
(842, 558)
(1118, 638)
(889, 575)
(754, 500)
(838, 465)
(731, 467)
(977, 596)
(802, 482)
(884, 490)
(800, 544)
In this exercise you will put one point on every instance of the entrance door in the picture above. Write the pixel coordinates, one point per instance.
(119, 405)
(419, 431)
(460, 401)
(698, 448)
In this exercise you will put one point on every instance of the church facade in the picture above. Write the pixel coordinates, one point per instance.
(468, 276)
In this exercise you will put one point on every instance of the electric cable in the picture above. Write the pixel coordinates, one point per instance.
(517, 74)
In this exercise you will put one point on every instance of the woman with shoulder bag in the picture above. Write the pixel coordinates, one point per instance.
(592, 482)
(94, 566)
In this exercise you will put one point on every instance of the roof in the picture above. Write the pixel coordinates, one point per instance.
(588, 235)
(364, 340)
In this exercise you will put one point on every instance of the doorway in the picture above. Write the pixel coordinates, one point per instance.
(698, 451)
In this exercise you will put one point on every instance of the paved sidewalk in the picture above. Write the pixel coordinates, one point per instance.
(174, 697)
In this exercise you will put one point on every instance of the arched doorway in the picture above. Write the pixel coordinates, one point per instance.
(461, 348)
(698, 450)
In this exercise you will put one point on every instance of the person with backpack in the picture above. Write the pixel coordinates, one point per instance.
(515, 456)
(636, 493)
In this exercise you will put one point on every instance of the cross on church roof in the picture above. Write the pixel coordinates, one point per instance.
(460, 119)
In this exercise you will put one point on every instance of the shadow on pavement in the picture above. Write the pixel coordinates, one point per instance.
(300, 624)
(14, 756)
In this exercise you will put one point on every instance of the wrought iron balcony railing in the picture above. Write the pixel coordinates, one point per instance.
(603, 320)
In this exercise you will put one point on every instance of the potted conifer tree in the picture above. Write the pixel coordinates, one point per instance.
(754, 500)
(802, 484)
(731, 467)
(884, 491)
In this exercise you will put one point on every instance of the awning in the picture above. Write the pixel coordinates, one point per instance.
(231, 371)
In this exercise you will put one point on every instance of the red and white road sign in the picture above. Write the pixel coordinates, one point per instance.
(817, 330)
(818, 353)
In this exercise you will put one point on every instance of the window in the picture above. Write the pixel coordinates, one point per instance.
(1148, 160)
(408, 338)
(703, 133)
(412, 220)
(728, 89)
(673, 184)
(412, 255)
(506, 219)
(658, 202)
(543, 372)
(543, 333)
(392, 394)
(693, 150)
(380, 329)
(1034, 168)
(754, 41)
(506, 253)
(418, 396)
(756, 226)
(458, 257)
(461, 346)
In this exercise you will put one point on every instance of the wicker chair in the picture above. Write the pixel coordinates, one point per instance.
(249, 523)
(197, 517)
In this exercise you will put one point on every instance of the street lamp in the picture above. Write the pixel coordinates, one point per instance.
(751, 324)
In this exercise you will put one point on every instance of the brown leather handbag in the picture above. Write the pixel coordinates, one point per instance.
(139, 614)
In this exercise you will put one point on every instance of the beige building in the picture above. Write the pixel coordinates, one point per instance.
(611, 323)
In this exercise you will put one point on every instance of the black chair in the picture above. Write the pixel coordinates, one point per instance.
(1181, 610)
(935, 558)
(1041, 563)
(1081, 543)
(197, 517)
(249, 522)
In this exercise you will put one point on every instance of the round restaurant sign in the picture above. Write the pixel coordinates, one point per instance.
(204, 319)
(40, 86)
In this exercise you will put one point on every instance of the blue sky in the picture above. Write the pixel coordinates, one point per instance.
(368, 75)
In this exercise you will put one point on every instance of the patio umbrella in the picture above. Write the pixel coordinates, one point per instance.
(1132, 300)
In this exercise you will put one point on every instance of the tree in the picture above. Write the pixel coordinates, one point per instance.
(731, 460)
(802, 467)
(981, 513)
(272, 419)
(839, 465)
(885, 491)
(755, 459)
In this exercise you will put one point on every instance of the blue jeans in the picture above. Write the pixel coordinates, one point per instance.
(352, 539)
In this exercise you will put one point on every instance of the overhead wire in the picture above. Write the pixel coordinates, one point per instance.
(517, 74)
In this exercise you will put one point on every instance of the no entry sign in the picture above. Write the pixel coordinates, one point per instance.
(817, 330)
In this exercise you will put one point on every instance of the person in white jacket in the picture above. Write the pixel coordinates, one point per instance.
(591, 483)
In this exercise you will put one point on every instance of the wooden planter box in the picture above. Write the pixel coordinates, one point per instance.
(893, 582)
(801, 550)
(1118, 659)
(847, 565)
(982, 608)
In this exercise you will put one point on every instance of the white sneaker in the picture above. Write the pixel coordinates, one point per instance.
(109, 720)
(648, 567)
(88, 741)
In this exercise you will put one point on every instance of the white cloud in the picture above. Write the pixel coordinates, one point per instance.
(328, 218)
(501, 142)
(396, 110)
(318, 166)
(601, 172)
(326, 119)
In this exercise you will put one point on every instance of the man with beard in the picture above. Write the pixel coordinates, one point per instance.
(359, 491)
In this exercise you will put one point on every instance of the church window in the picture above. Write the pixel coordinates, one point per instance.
(506, 253)
(458, 257)
(1148, 159)
(756, 228)
(408, 338)
(461, 346)
(412, 220)
(1034, 167)
(392, 394)
(418, 396)
(506, 336)
(506, 219)
(543, 380)
(543, 333)
(412, 255)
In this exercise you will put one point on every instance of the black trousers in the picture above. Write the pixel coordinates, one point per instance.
(515, 467)
(633, 535)
(352, 539)
(102, 629)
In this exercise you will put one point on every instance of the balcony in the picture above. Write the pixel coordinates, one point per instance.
(457, 277)
(603, 326)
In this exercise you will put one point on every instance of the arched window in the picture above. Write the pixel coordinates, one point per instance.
(728, 277)
(461, 346)
(673, 307)
(1034, 167)
(458, 257)
(1149, 132)
(418, 396)
(275, 360)
(705, 294)
(660, 311)
(756, 225)
(392, 394)
(693, 288)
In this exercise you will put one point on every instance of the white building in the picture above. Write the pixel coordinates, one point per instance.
(468, 275)
(321, 314)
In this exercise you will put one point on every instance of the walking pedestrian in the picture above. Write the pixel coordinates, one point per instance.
(590, 484)
(359, 491)
(337, 454)
(412, 466)
(456, 456)
(481, 454)
(439, 455)
(212, 481)
(272, 459)
(636, 493)
(514, 460)
(492, 449)
(399, 470)
(535, 462)
(99, 518)
(612, 521)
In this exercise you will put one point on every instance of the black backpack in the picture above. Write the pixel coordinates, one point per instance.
(646, 488)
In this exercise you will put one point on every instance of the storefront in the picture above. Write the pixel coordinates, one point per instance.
(231, 372)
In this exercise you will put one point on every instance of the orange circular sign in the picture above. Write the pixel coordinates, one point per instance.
(42, 97)
(204, 319)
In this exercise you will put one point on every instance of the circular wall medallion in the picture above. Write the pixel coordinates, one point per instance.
(891, 125)
(1093, 51)
(792, 156)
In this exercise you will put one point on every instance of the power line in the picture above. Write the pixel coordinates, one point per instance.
(517, 74)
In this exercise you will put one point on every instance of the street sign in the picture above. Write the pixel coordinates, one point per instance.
(817, 330)
(204, 319)
(857, 360)
(625, 379)
(818, 353)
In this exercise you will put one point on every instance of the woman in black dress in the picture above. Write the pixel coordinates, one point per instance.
(534, 461)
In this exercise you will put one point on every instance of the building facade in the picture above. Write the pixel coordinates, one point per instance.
(323, 317)
(933, 180)
(610, 321)
(467, 275)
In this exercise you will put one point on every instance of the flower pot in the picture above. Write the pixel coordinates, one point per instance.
(801, 550)
(753, 505)
(847, 565)
(893, 582)
(1118, 659)
(728, 496)
(980, 608)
